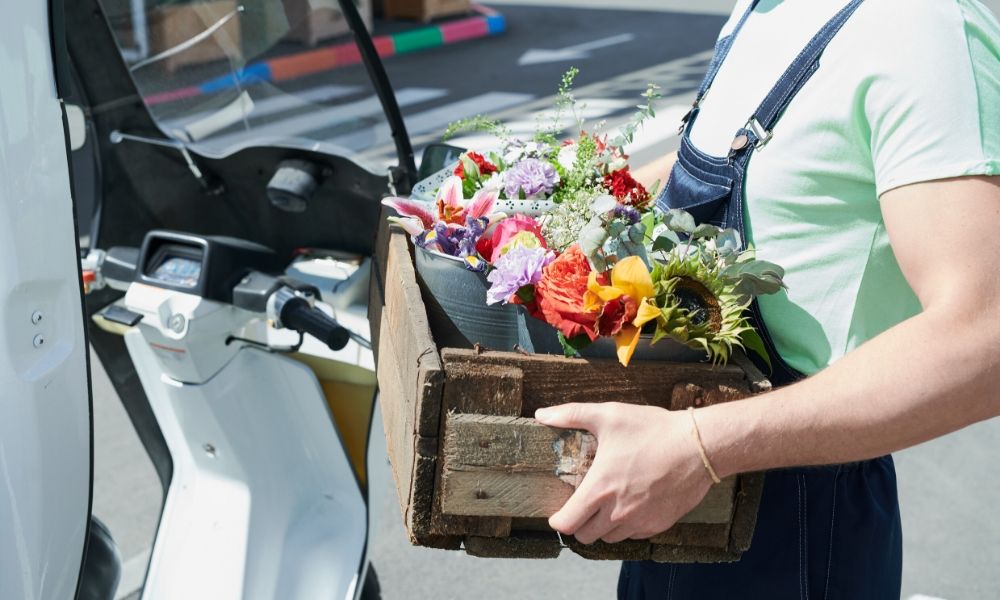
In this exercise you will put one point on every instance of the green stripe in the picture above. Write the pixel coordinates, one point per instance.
(411, 41)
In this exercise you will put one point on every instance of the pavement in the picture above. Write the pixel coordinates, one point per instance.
(947, 487)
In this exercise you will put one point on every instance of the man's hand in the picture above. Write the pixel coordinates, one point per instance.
(646, 475)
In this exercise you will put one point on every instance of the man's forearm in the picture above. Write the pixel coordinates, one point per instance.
(929, 376)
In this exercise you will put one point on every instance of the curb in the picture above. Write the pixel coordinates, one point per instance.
(487, 22)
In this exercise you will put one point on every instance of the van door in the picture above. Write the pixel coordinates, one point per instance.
(45, 423)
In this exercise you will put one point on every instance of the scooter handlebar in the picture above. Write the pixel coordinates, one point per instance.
(296, 313)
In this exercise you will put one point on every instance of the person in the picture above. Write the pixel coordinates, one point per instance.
(858, 145)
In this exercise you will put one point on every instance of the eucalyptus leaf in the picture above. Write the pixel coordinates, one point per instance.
(667, 241)
(705, 231)
(636, 233)
(728, 242)
(679, 220)
(604, 204)
(592, 240)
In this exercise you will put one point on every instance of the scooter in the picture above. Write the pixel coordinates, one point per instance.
(260, 376)
(225, 296)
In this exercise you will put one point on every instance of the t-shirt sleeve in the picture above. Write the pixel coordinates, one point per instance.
(933, 103)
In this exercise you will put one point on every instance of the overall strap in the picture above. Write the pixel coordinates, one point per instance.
(797, 74)
(722, 48)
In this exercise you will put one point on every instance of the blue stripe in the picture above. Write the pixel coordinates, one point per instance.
(249, 75)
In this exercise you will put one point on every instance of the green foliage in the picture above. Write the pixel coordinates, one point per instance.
(479, 124)
(572, 346)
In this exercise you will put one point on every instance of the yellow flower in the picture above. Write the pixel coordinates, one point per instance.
(630, 278)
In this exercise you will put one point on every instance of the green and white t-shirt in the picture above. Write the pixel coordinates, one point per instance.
(908, 91)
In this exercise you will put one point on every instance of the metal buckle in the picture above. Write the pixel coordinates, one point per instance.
(763, 136)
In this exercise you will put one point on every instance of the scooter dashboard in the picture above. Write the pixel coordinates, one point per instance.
(206, 266)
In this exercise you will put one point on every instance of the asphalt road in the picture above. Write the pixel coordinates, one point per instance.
(948, 487)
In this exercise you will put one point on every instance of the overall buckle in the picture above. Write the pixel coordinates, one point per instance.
(763, 135)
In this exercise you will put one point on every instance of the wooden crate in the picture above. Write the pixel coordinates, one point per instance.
(424, 10)
(473, 471)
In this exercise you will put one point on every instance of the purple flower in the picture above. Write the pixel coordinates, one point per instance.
(531, 176)
(517, 268)
(627, 214)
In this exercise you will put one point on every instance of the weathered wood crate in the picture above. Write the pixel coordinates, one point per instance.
(473, 471)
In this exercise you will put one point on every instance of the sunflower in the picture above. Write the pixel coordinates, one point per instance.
(694, 305)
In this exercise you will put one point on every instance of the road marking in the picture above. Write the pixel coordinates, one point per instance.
(276, 104)
(300, 125)
(435, 119)
(537, 56)
(922, 597)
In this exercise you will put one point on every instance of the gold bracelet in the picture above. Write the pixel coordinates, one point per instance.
(701, 448)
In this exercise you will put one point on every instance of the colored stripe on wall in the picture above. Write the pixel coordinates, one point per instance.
(486, 23)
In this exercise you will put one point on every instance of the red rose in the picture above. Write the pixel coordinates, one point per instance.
(485, 166)
(559, 295)
(626, 189)
(491, 247)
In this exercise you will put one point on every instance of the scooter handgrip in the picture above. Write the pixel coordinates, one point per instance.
(298, 315)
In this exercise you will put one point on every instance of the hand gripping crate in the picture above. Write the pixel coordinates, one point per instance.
(474, 471)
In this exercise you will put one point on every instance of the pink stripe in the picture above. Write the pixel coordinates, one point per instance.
(347, 54)
(465, 29)
(385, 46)
(188, 92)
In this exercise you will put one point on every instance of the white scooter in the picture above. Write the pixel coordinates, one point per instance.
(260, 376)
(226, 285)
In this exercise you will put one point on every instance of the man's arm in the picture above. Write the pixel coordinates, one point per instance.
(930, 375)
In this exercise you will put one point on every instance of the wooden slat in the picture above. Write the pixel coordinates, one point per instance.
(553, 380)
(520, 544)
(492, 389)
(516, 467)
(406, 332)
(410, 378)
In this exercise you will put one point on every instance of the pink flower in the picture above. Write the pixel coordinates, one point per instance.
(516, 230)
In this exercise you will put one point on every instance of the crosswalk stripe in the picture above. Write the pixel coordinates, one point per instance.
(298, 125)
(435, 119)
(281, 103)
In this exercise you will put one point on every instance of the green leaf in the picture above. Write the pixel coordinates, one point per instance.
(752, 341)
(572, 346)
(667, 241)
(526, 294)
(679, 220)
(705, 231)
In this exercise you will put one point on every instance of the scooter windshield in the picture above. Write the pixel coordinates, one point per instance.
(222, 75)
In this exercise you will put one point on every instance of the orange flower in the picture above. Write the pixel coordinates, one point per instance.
(559, 295)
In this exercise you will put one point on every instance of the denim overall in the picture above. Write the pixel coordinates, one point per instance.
(822, 532)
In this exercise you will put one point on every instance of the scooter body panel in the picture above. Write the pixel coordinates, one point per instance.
(263, 503)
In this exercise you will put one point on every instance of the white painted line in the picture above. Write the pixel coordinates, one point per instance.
(275, 104)
(301, 125)
(922, 597)
(536, 56)
(434, 120)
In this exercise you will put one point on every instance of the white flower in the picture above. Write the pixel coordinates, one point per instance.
(567, 157)
(494, 183)
(618, 164)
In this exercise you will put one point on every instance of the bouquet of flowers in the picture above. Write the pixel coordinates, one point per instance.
(560, 227)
